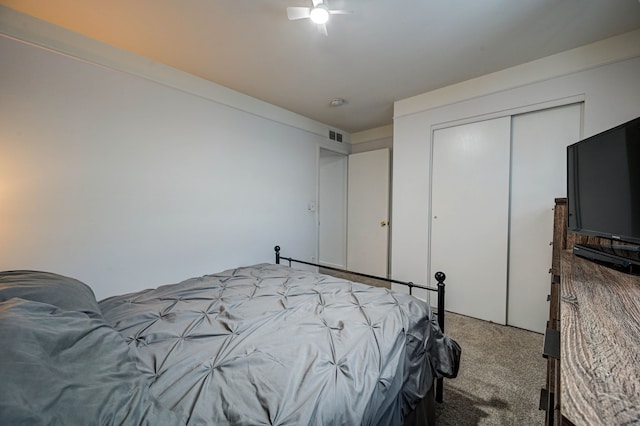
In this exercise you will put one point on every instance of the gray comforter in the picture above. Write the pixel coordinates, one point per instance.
(258, 345)
(268, 344)
(61, 363)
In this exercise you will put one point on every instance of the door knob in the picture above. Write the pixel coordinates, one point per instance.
(384, 223)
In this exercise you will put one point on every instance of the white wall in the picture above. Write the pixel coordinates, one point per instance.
(603, 75)
(127, 183)
(372, 139)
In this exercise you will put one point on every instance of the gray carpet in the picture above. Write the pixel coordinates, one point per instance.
(501, 374)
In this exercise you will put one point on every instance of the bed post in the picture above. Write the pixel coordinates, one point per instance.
(440, 277)
(277, 249)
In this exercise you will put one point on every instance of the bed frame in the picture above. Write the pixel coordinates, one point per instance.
(439, 276)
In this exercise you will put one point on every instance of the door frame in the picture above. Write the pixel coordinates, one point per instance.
(319, 206)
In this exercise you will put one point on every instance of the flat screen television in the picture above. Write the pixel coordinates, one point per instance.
(603, 184)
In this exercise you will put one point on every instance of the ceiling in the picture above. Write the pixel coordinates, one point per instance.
(383, 52)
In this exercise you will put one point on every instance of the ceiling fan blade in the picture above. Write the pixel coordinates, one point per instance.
(316, 2)
(341, 12)
(294, 13)
(323, 29)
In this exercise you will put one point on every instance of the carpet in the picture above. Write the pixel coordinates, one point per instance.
(501, 373)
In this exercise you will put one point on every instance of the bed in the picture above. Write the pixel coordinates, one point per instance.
(261, 344)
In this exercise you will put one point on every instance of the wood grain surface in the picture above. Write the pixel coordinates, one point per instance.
(559, 233)
(600, 346)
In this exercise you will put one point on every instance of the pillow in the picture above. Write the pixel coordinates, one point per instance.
(64, 368)
(66, 293)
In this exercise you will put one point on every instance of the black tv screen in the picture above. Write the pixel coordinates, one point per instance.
(603, 184)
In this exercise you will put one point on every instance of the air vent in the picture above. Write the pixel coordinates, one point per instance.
(335, 136)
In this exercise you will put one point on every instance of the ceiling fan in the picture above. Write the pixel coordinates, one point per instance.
(318, 14)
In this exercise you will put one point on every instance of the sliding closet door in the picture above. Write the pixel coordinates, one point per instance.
(538, 176)
(470, 216)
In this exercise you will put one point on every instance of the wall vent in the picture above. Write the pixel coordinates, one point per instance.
(335, 136)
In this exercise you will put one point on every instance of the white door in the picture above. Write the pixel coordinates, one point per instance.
(332, 209)
(368, 212)
(469, 216)
(538, 175)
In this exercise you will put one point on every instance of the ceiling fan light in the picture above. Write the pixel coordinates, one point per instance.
(319, 14)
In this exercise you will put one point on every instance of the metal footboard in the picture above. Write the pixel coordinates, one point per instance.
(439, 276)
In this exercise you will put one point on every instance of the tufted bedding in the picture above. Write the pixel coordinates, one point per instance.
(61, 363)
(256, 345)
(268, 344)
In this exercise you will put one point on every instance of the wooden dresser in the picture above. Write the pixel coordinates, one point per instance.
(595, 379)
(550, 396)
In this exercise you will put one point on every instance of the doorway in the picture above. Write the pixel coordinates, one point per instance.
(353, 211)
(332, 209)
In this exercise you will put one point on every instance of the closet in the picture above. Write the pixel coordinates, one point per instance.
(491, 216)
